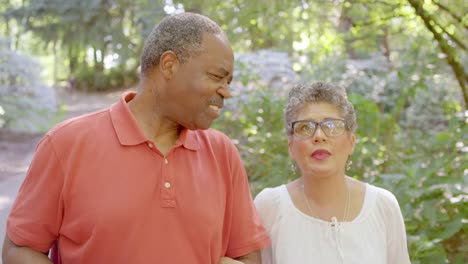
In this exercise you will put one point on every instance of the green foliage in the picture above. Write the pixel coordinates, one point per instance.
(101, 39)
(402, 66)
(426, 170)
(256, 127)
(89, 80)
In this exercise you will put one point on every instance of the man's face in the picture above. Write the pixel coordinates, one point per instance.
(198, 87)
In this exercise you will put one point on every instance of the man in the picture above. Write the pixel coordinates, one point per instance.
(145, 181)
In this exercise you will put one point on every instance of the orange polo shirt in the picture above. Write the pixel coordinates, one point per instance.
(98, 185)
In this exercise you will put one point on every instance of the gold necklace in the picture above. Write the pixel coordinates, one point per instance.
(347, 203)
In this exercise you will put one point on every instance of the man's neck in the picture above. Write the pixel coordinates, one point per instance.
(162, 132)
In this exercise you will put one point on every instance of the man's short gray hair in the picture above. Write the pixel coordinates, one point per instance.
(319, 92)
(180, 33)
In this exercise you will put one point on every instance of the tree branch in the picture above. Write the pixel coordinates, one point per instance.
(451, 36)
(454, 62)
(373, 21)
(446, 9)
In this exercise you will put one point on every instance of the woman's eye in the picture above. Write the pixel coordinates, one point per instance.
(306, 127)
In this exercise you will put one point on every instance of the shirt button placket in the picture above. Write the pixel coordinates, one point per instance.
(167, 183)
(167, 186)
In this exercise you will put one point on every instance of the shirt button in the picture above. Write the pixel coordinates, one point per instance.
(150, 145)
(166, 161)
(167, 185)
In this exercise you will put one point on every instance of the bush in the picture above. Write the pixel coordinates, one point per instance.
(26, 103)
(90, 80)
(426, 171)
(423, 163)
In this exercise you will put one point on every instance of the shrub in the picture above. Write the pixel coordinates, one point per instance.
(26, 103)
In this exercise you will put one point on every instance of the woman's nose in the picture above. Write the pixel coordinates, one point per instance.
(319, 135)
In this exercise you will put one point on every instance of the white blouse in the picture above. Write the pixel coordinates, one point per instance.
(376, 236)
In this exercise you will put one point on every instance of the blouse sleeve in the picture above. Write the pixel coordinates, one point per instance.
(397, 250)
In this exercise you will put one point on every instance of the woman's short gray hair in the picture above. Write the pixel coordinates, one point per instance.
(319, 92)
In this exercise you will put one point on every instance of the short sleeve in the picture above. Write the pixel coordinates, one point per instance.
(247, 233)
(36, 215)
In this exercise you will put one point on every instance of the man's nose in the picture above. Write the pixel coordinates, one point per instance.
(224, 90)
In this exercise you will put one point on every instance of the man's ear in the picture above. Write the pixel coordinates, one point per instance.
(168, 64)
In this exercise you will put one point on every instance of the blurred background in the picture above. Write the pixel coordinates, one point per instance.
(404, 63)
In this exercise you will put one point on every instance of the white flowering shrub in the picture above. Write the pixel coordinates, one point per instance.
(267, 69)
(27, 105)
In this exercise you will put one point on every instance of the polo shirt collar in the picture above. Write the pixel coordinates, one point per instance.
(129, 133)
(125, 125)
(189, 139)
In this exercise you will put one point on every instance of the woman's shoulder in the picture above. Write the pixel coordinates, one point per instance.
(269, 195)
(269, 204)
(383, 195)
(385, 200)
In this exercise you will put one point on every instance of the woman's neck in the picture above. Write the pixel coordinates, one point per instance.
(327, 198)
(323, 190)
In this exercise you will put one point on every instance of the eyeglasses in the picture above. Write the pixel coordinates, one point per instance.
(304, 129)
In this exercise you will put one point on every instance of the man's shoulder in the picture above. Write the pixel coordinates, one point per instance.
(215, 140)
(79, 125)
(212, 135)
(210, 132)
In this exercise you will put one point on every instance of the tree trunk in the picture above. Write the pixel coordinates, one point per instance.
(346, 23)
(385, 45)
(54, 48)
(72, 60)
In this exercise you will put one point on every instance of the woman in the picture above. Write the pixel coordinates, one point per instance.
(325, 216)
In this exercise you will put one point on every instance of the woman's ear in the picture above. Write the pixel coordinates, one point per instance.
(168, 64)
(352, 139)
(290, 139)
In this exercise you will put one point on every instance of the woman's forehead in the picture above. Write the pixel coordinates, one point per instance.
(318, 111)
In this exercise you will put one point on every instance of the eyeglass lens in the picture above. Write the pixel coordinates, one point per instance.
(306, 128)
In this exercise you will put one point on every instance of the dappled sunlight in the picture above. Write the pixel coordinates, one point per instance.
(403, 64)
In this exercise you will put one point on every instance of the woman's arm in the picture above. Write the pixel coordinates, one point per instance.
(14, 254)
(251, 258)
(397, 249)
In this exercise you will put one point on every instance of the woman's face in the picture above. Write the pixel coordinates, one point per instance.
(321, 155)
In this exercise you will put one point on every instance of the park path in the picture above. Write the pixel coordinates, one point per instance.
(16, 150)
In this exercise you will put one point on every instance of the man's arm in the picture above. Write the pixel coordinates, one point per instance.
(13, 254)
(251, 258)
